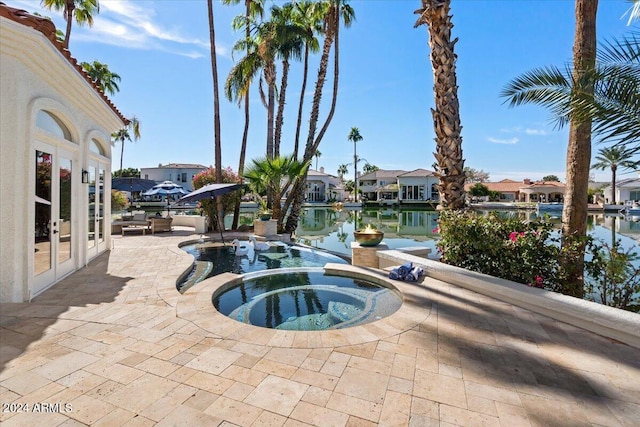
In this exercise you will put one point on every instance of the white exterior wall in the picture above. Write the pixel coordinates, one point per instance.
(170, 174)
(35, 76)
(424, 181)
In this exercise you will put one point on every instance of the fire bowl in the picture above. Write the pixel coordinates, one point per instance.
(368, 238)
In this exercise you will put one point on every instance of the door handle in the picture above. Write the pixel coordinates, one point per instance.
(55, 231)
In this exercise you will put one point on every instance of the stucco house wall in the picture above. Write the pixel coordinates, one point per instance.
(173, 172)
(36, 75)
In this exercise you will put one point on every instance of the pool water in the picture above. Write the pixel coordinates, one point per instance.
(306, 300)
(215, 258)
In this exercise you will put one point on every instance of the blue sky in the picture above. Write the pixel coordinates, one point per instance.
(160, 50)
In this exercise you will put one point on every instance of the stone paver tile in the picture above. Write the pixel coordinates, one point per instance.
(214, 361)
(359, 422)
(182, 358)
(403, 366)
(245, 375)
(25, 382)
(464, 417)
(182, 374)
(141, 393)
(427, 360)
(353, 406)
(400, 385)
(425, 407)
(295, 423)
(201, 400)
(627, 413)
(187, 416)
(247, 361)
(289, 356)
(440, 388)
(81, 380)
(277, 394)
(269, 419)
(362, 384)
(396, 409)
(317, 396)
(88, 409)
(370, 365)
(211, 383)
(43, 394)
(424, 421)
(30, 419)
(450, 371)
(134, 359)
(318, 415)
(252, 349)
(384, 356)
(116, 418)
(481, 405)
(163, 406)
(546, 412)
(238, 391)
(312, 364)
(65, 365)
(494, 393)
(157, 367)
(363, 350)
(315, 379)
(275, 368)
(512, 415)
(336, 364)
(70, 422)
(234, 411)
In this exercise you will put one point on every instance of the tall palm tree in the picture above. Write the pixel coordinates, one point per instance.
(334, 11)
(342, 171)
(276, 176)
(216, 111)
(104, 78)
(446, 115)
(308, 16)
(354, 136)
(82, 10)
(253, 9)
(290, 42)
(317, 156)
(567, 96)
(125, 134)
(613, 158)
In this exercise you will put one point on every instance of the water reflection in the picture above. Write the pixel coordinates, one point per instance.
(331, 229)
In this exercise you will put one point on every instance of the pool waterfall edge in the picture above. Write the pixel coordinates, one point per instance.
(196, 306)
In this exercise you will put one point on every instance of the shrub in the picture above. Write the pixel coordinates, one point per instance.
(228, 200)
(119, 201)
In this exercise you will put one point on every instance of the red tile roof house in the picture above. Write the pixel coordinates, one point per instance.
(525, 191)
(55, 159)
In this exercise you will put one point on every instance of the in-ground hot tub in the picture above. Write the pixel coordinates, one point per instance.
(306, 299)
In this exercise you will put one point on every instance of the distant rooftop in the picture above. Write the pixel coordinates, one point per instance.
(178, 166)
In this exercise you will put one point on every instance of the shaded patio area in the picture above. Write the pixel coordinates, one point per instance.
(118, 344)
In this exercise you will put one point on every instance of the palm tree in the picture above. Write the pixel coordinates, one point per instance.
(275, 176)
(342, 171)
(82, 10)
(566, 96)
(104, 78)
(317, 156)
(355, 137)
(446, 115)
(613, 158)
(306, 15)
(216, 112)
(124, 134)
(253, 10)
(290, 41)
(334, 11)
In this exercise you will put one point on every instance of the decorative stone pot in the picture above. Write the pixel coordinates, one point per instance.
(266, 216)
(368, 238)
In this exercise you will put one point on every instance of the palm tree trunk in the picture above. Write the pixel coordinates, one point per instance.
(613, 184)
(216, 113)
(67, 35)
(574, 214)
(121, 152)
(281, 103)
(271, 100)
(446, 115)
(301, 104)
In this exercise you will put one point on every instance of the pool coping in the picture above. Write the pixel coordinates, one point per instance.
(196, 306)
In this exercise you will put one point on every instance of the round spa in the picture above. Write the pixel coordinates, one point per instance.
(306, 300)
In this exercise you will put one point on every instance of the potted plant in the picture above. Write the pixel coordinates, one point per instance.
(264, 213)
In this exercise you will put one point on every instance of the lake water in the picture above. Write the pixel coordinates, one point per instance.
(332, 230)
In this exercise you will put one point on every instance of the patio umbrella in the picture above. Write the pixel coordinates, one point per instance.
(132, 184)
(210, 191)
(167, 188)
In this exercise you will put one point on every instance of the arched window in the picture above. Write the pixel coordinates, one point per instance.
(50, 123)
(96, 147)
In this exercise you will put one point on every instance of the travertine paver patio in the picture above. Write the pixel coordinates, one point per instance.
(119, 346)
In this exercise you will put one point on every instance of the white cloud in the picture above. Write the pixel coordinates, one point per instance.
(509, 141)
(540, 132)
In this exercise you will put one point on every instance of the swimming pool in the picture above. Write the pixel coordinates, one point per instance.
(212, 258)
(306, 299)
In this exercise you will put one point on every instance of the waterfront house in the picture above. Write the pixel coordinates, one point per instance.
(419, 185)
(323, 187)
(55, 159)
(380, 185)
(180, 173)
(626, 190)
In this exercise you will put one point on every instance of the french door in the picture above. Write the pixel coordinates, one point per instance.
(95, 220)
(54, 226)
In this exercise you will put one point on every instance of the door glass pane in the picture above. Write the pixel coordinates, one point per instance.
(91, 235)
(64, 224)
(100, 206)
(42, 258)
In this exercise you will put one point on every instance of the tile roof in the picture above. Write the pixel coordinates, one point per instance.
(417, 173)
(503, 186)
(179, 166)
(48, 29)
(382, 173)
